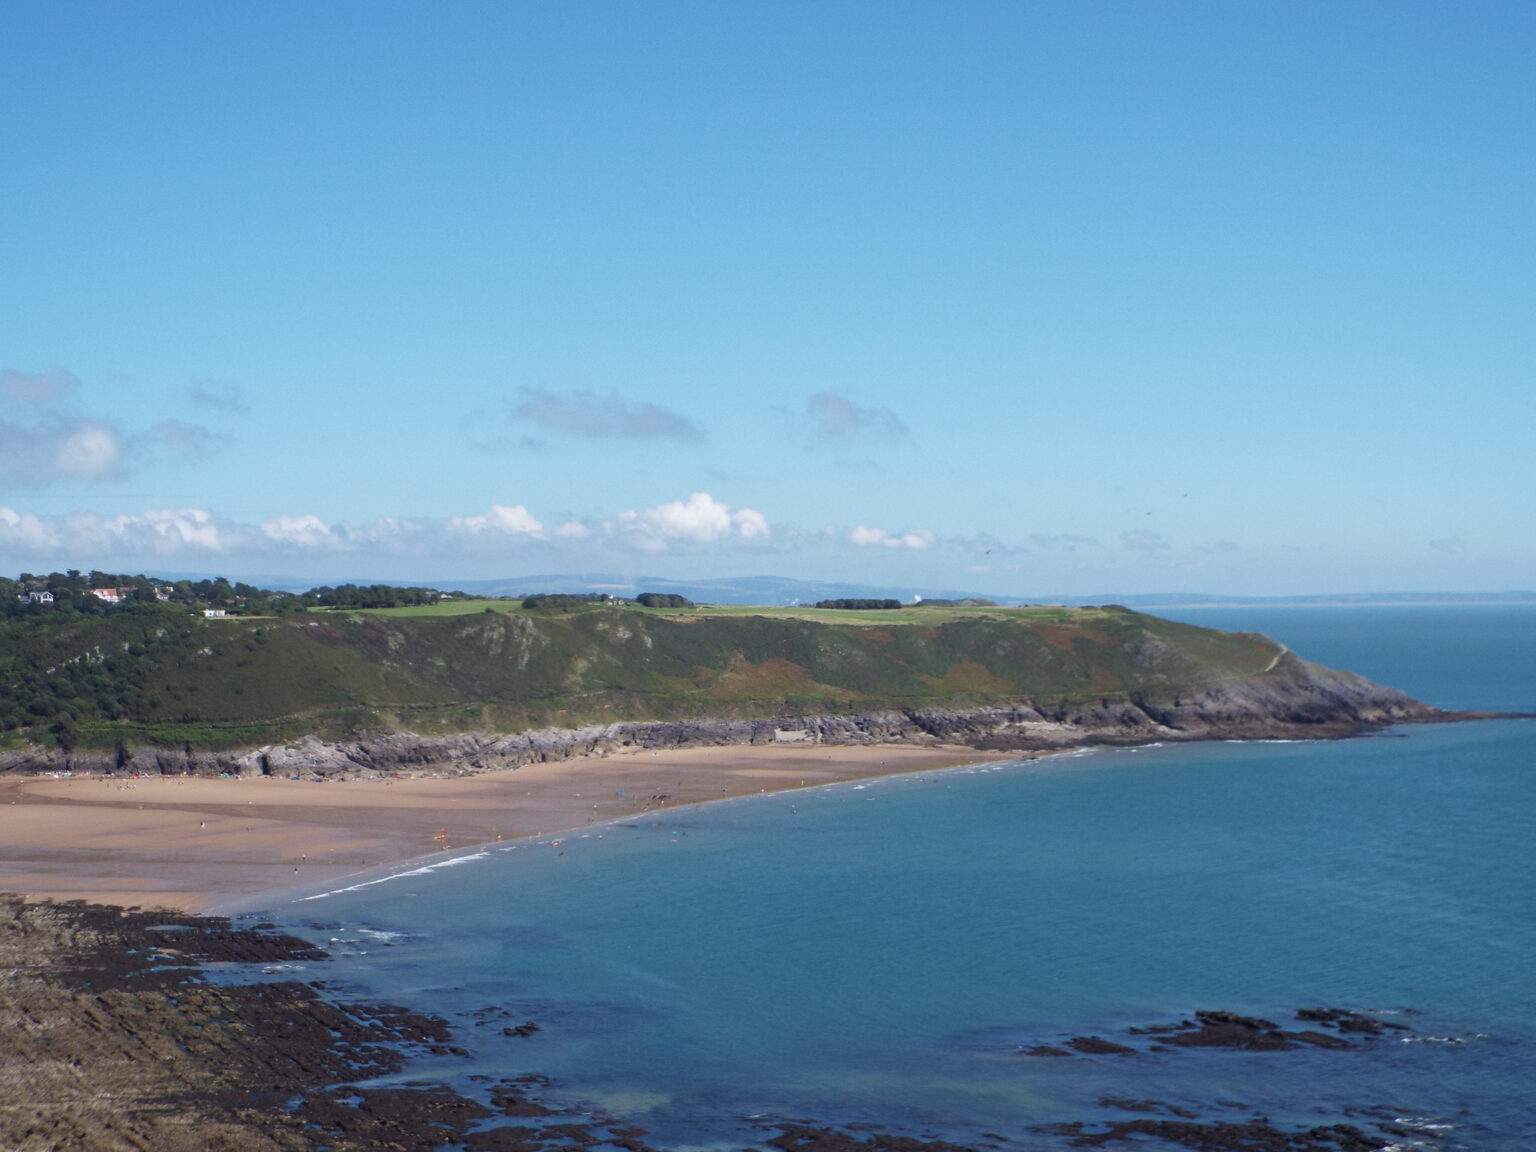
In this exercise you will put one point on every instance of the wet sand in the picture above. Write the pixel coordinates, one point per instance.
(195, 843)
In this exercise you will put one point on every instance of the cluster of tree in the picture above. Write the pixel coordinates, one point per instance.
(371, 596)
(663, 600)
(240, 597)
(565, 601)
(855, 603)
(105, 681)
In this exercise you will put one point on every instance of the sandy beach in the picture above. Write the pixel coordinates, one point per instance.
(197, 843)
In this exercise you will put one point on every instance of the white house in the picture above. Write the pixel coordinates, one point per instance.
(40, 597)
(213, 612)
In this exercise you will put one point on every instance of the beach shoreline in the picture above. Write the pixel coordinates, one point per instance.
(202, 844)
(97, 979)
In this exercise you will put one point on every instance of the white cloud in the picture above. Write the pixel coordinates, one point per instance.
(88, 451)
(163, 531)
(172, 526)
(514, 520)
(701, 519)
(26, 531)
(865, 537)
(91, 539)
(308, 531)
(751, 523)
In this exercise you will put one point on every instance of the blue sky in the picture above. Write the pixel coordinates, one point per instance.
(1021, 298)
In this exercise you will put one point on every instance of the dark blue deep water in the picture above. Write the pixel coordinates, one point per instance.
(883, 953)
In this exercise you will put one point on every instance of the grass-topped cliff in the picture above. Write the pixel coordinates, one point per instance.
(155, 674)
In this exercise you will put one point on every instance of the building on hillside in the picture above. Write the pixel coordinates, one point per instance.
(214, 612)
(38, 597)
(112, 595)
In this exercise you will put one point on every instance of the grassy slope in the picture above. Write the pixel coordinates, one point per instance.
(493, 665)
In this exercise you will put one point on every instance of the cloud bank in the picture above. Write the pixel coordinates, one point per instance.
(163, 532)
(698, 531)
(197, 535)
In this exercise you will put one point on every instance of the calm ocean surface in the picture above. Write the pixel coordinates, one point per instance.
(880, 953)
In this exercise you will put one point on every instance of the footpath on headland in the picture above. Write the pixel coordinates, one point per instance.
(194, 843)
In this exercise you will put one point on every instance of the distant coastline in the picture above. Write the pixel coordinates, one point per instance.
(784, 591)
(1330, 600)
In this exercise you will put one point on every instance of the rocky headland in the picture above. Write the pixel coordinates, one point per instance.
(1293, 700)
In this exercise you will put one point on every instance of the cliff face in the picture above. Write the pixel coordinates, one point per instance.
(1291, 700)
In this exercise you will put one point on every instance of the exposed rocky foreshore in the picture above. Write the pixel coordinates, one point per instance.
(112, 1036)
(1292, 700)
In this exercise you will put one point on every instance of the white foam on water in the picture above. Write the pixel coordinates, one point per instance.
(425, 870)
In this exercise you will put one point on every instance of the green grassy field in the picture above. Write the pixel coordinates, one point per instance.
(427, 611)
(912, 614)
(883, 616)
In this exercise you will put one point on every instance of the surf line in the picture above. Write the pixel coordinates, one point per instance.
(422, 871)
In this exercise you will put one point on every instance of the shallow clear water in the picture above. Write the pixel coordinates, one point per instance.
(882, 952)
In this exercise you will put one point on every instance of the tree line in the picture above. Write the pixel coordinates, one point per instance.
(372, 596)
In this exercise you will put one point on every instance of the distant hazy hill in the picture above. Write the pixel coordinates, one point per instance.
(739, 590)
(1155, 601)
(783, 591)
(779, 590)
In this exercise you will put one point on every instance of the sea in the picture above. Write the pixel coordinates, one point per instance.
(889, 954)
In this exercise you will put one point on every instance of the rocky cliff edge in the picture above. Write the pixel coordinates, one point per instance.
(1292, 700)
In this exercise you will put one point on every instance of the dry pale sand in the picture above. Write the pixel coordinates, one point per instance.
(195, 843)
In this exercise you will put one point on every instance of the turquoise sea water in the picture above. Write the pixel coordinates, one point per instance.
(882, 953)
